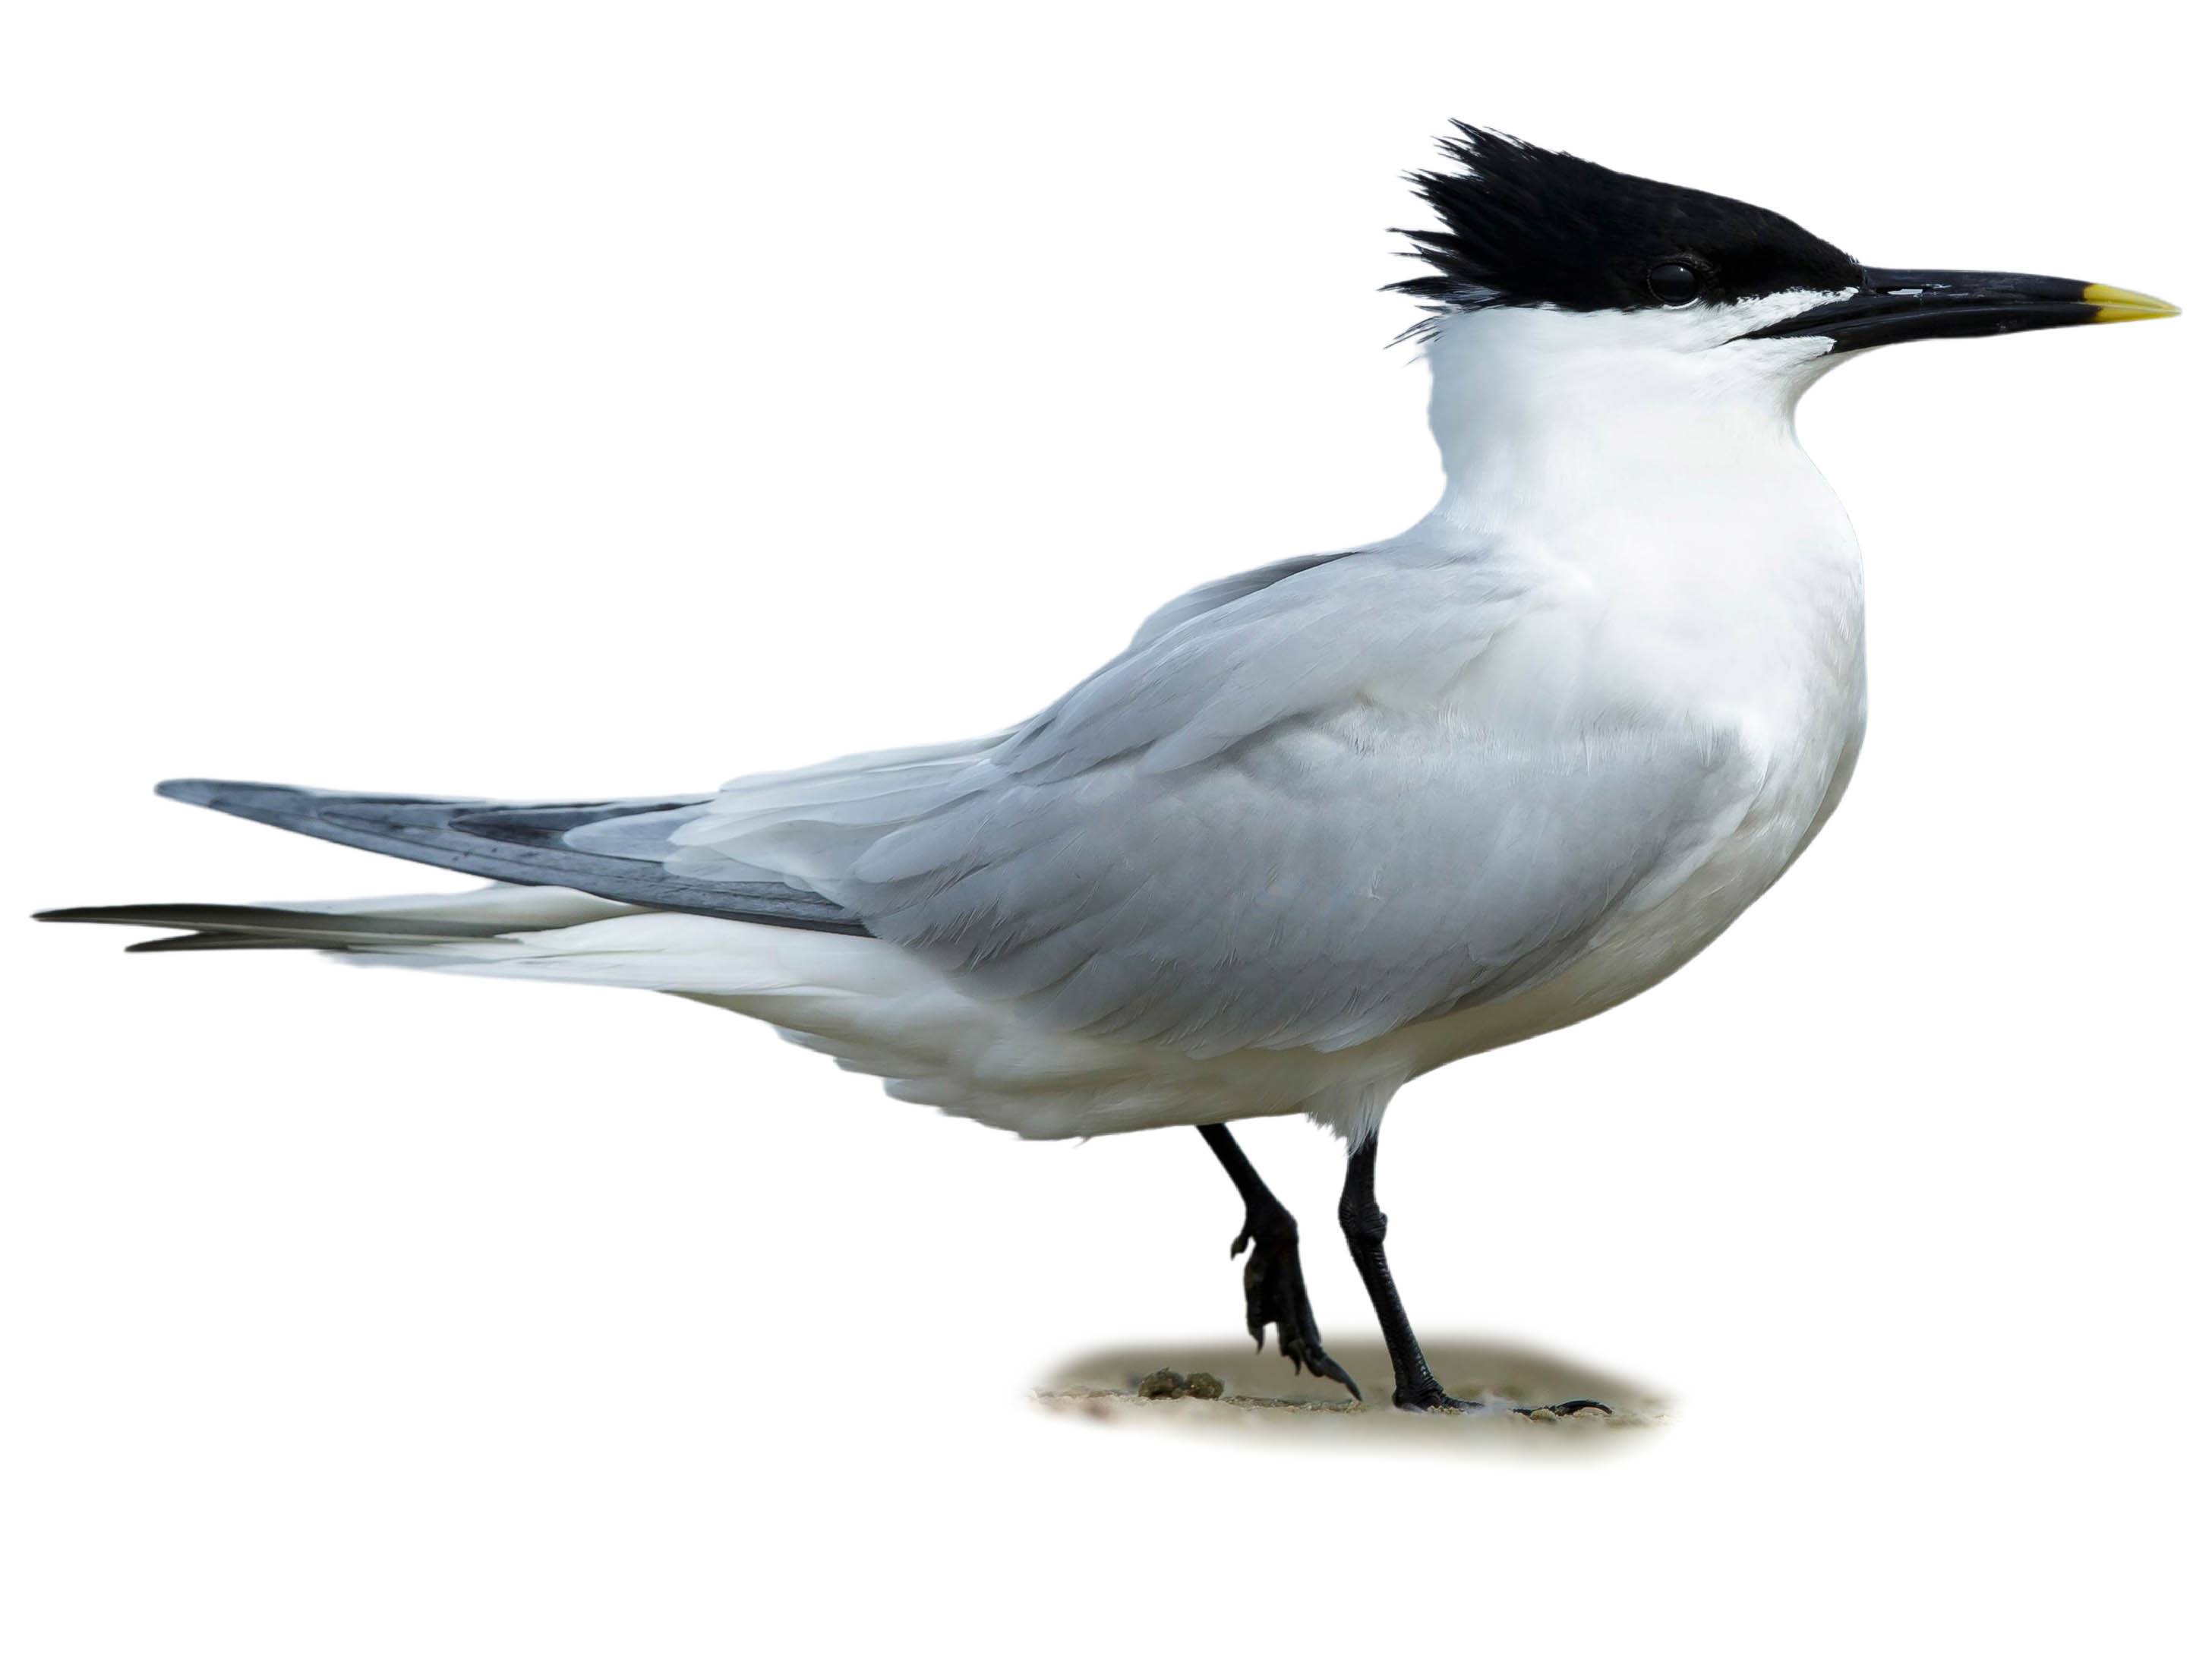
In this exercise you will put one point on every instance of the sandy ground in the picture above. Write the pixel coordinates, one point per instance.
(1261, 1397)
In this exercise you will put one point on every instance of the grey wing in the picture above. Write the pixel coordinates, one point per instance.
(1316, 891)
(523, 844)
(1260, 826)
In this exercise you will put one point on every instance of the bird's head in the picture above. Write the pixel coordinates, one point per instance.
(1549, 270)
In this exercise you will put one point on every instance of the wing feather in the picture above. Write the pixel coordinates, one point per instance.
(1267, 824)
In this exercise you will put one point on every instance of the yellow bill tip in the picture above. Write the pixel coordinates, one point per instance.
(2122, 305)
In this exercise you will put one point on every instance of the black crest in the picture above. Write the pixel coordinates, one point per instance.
(1524, 225)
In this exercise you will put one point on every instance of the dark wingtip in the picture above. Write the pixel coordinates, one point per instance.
(160, 916)
(197, 790)
(217, 792)
(173, 942)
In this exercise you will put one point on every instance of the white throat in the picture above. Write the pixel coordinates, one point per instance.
(1541, 414)
(1644, 473)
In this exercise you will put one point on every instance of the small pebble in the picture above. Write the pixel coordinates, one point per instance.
(1204, 1385)
(1162, 1384)
(1543, 1414)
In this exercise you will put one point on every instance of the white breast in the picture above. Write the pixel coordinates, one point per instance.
(1705, 576)
(1768, 664)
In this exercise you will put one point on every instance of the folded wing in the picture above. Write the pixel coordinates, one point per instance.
(1263, 825)
(1286, 817)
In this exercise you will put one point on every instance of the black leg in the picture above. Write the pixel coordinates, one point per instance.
(1364, 1225)
(1275, 1284)
(1415, 1388)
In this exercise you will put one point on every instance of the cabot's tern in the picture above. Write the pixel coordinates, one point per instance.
(1326, 824)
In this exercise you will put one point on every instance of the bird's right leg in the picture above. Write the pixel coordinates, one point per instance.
(1274, 1282)
(1364, 1227)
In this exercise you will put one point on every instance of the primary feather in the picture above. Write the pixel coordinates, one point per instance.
(511, 842)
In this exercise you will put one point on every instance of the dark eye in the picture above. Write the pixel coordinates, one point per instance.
(1674, 284)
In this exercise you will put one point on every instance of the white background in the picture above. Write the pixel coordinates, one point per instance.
(553, 400)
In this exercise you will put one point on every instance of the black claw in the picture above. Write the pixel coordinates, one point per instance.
(1322, 1365)
(1565, 1408)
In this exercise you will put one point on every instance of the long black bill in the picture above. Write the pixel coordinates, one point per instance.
(1947, 305)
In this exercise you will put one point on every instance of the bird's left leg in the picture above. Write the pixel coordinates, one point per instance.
(1274, 1282)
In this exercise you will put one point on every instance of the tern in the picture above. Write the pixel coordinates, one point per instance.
(1325, 825)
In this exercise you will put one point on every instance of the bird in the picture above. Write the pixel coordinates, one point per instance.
(1327, 824)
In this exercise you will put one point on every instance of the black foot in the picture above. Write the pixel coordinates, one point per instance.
(1275, 1294)
(1566, 1409)
(1434, 1399)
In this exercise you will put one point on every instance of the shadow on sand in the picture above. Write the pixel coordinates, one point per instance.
(1261, 1396)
